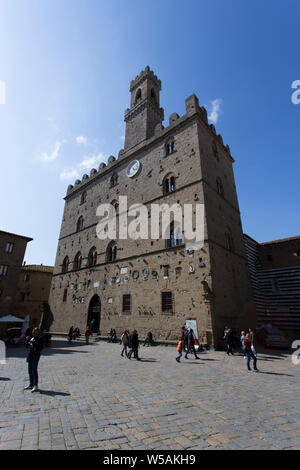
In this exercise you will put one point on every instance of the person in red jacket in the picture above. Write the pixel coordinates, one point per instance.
(249, 353)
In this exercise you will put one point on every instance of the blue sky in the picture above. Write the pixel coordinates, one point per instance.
(67, 67)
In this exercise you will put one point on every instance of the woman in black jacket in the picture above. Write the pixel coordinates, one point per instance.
(36, 345)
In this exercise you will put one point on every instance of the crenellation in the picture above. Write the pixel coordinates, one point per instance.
(173, 119)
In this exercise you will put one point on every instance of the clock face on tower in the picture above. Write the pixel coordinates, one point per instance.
(133, 168)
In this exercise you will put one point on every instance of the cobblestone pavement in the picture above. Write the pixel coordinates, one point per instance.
(91, 398)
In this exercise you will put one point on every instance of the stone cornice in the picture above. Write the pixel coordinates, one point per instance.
(136, 110)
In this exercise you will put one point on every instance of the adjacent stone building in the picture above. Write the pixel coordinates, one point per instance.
(12, 250)
(275, 278)
(33, 292)
(155, 284)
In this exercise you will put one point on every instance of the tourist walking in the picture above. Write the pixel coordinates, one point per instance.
(179, 349)
(191, 344)
(229, 339)
(76, 332)
(184, 337)
(249, 353)
(112, 336)
(35, 344)
(92, 325)
(182, 332)
(148, 339)
(87, 335)
(242, 339)
(253, 341)
(71, 334)
(125, 341)
(134, 345)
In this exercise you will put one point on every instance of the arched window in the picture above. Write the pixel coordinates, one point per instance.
(220, 187)
(111, 252)
(179, 237)
(229, 239)
(79, 225)
(153, 95)
(174, 236)
(65, 265)
(138, 95)
(170, 147)
(169, 184)
(77, 261)
(92, 258)
(113, 180)
(83, 197)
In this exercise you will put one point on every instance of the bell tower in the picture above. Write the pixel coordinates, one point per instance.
(144, 113)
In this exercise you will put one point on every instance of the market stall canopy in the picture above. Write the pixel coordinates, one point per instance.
(11, 319)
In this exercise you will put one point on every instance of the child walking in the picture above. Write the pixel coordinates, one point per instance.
(179, 349)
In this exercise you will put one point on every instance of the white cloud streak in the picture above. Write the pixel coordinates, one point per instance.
(81, 139)
(87, 163)
(215, 110)
(46, 157)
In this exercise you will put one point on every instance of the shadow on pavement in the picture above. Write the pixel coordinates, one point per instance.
(4, 378)
(276, 373)
(50, 351)
(270, 358)
(190, 362)
(208, 359)
(51, 393)
(275, 354)
(57, 347)
(149, 359)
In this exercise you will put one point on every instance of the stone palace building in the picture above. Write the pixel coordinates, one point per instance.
(155, 284)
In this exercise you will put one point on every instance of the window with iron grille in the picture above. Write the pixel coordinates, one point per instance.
(126, 303)
(167, 302)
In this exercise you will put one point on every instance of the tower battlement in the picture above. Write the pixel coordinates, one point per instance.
(147, 73)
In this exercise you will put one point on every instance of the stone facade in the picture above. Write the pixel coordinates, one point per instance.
(275, 278)
(33, 292)
(12, 250)
(211, 285)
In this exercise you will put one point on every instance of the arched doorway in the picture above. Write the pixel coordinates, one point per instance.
(94, 313)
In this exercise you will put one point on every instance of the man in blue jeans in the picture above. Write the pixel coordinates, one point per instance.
(248, 350)
(35, 345)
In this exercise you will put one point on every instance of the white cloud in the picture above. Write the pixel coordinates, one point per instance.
(52, 156)
(69, 174)
(87, 163)
(215, 110)
(81, 139)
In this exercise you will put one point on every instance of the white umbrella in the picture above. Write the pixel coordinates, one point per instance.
(11, 319)
(25, 325)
